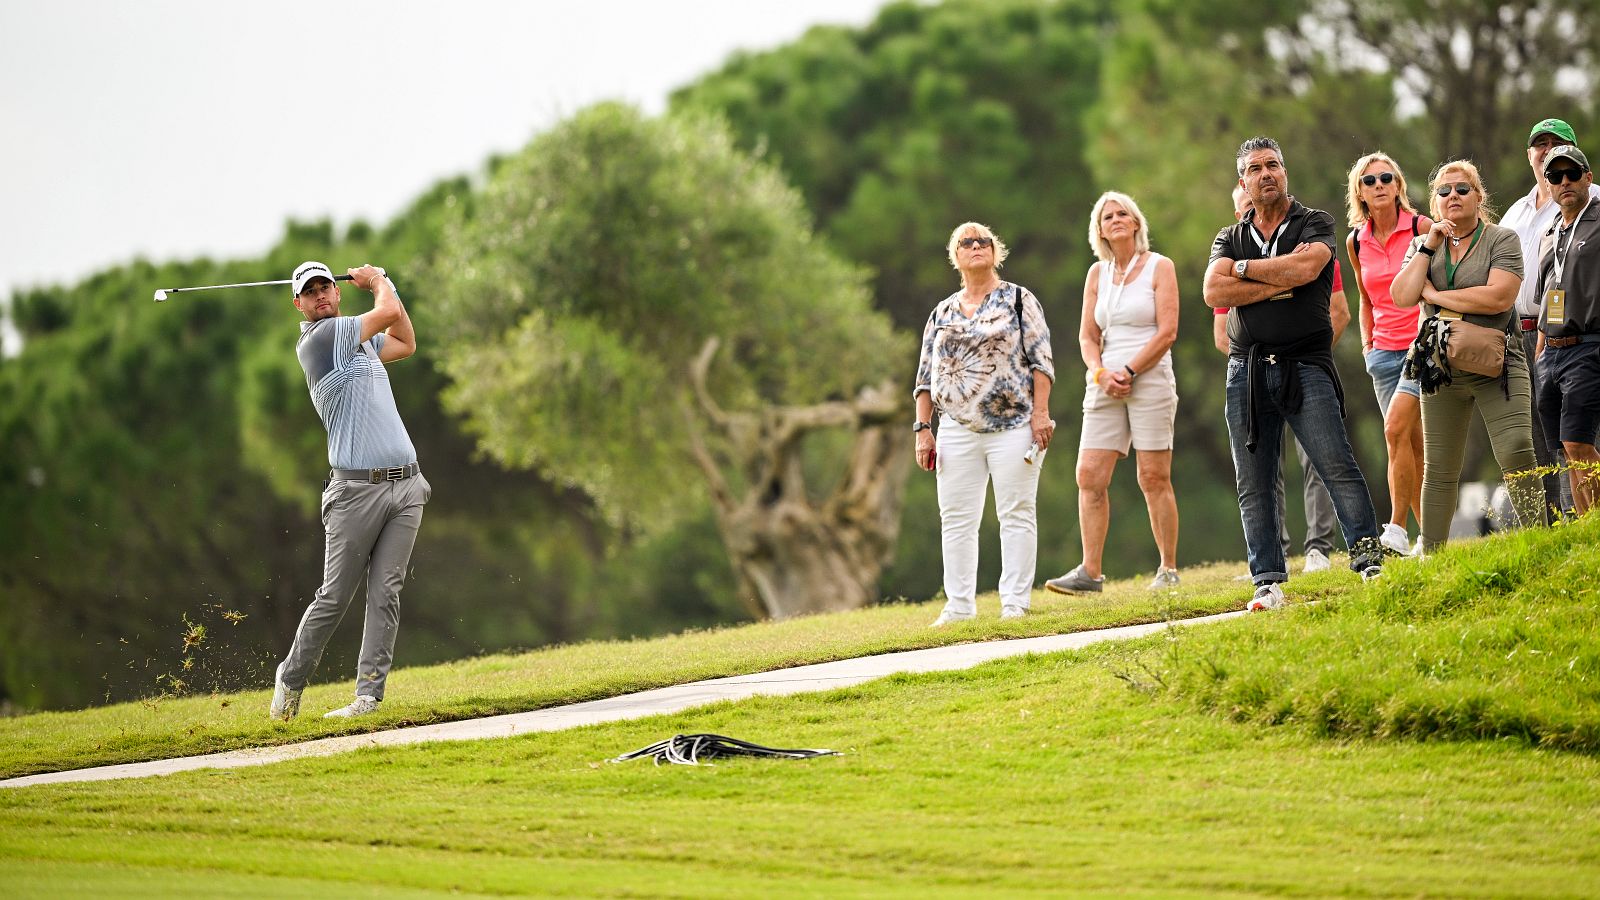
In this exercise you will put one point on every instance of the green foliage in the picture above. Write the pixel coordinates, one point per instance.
(599, 260)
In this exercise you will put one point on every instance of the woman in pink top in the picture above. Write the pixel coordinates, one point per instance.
(1383, 223)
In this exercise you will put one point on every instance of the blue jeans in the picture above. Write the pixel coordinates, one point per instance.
(1388, 377)
(1320, 430)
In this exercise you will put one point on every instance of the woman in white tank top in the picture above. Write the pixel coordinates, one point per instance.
(1130, 321)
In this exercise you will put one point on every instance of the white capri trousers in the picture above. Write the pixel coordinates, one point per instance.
(966, 462)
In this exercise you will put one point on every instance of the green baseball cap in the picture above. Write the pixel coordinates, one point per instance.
(1554, 126)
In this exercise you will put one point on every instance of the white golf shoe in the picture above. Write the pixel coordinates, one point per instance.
(285, 703)
(1316, 561)
(358, 707)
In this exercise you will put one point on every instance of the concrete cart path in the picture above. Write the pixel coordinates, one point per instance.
(800, 679)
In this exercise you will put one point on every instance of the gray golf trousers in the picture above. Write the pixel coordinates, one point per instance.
(370, 531)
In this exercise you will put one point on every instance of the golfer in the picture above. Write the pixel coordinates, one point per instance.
(372, 504)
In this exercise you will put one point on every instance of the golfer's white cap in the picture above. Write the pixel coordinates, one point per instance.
(305, 272)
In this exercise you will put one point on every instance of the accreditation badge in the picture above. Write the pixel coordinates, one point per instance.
(1555, 307)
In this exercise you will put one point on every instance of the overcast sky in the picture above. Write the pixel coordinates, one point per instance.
(173, 129)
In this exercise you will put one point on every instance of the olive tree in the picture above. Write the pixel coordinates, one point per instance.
(640, 310)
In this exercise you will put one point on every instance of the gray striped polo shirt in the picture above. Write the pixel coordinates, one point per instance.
(350, 389)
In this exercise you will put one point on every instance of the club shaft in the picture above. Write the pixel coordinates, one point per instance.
(244, 284)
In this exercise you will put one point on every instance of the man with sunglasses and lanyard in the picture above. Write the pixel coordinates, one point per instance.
(1531, 218)
(1569, 321)
(1274, 271)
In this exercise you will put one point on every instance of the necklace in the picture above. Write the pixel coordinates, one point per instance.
(1122, 276)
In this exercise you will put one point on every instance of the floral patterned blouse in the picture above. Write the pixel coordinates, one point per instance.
(979, 371)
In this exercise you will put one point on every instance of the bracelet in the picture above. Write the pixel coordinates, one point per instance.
(1426, 249)
(1094, 377)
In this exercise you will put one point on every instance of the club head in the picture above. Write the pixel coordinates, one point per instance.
(161, 296)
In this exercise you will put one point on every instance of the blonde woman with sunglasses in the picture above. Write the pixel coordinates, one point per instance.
(1467, 268)
(1382, 225)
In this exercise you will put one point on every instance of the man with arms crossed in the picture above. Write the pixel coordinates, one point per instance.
(1531, 218)
(1320, 521)
(1569, 336)
(1274, 268)
(372, 504)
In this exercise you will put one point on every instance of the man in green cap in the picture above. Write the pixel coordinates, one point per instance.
(1530, 217)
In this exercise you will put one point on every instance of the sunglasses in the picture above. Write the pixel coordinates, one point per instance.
(1556, 176)
(968, 242)
(1461, 188)
(1370, 180)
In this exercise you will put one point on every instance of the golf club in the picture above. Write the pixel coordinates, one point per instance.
(161, 295)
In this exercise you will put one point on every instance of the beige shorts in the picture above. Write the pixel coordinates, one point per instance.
(1143, 421)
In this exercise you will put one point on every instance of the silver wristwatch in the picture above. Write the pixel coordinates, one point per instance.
(921, 426)
(1239, 267)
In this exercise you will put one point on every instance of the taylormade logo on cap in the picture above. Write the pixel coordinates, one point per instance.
(305, 272)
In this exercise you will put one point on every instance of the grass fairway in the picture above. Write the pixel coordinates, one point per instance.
(517, 682)
(1430, 735)
(1037, 775)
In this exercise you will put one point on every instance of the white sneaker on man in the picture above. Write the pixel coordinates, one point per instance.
(285, 703)
(358, 707)
(1166, 579)
(1394, 538)
(1316, 561)
(1012, 612)
(1268, 596)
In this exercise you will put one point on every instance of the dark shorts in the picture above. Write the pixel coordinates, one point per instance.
(1569, 394)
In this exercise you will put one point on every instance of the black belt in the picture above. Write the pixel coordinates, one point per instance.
(376, 476)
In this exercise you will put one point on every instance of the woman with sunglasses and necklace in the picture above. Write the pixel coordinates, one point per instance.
(1466, 268)
(1130, 320)
(1383, 223)
(987, 369)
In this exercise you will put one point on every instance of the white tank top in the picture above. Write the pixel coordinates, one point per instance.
(1126, 314)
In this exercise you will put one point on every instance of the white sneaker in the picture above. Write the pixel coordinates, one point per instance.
(1316, 561)
(1371, 573)
(946, 617)
(1394, 538)
(1417, 550)
(1166, 579)
(1268, 596)
(1012, 612)
(285, 703)
(358, 707)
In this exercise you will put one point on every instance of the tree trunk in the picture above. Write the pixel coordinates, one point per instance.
(793, 555)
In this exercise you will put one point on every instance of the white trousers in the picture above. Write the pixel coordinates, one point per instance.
(966, 462)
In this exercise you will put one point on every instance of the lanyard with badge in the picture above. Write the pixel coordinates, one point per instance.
(1269, 248)
(1555, 298)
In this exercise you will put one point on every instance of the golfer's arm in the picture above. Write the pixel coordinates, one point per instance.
(1223, 290)
(1219, 333)
(401, 337)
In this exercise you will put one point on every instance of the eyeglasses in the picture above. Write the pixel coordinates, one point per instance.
(967, 242)
(1556, 176)
(1370, 180)
(1461, 188)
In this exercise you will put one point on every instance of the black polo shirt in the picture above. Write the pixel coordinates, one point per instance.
(1299, 317)
(1580, 276)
